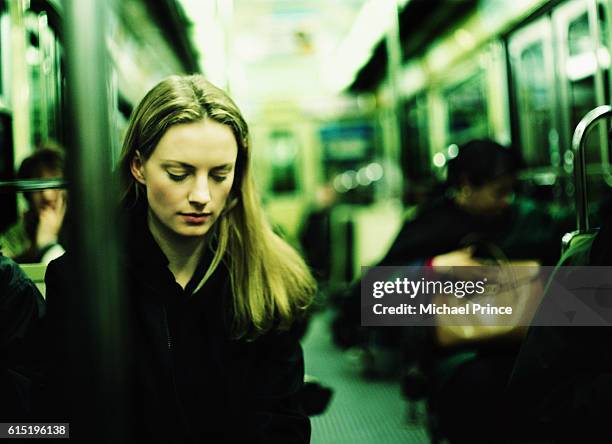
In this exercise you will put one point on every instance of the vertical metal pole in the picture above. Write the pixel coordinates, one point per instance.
(578, 147)
(394, 54)
(97, 328)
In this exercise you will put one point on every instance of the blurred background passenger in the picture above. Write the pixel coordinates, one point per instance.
(475, 216)
(477, 205)
(36, 235)
(315, 240)
(315, 235)
(475, 212)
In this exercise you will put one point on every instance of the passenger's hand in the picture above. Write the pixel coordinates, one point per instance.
(50, 220)
(459, 264)
(457, 258)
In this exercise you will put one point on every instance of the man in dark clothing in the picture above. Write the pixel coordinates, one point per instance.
(21, 305)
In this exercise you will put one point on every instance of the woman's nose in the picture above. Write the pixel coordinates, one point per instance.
(200, 193)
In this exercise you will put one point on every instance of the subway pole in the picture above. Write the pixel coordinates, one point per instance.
(394, 65)
(96, 331)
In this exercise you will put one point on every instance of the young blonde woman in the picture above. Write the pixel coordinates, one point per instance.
(213, 292)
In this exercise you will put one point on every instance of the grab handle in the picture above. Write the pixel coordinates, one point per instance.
(16, 186)
(578, 142)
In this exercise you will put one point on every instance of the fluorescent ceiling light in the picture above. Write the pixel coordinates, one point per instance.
(370, 26)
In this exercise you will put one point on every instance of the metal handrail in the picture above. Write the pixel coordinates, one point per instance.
(21, 185)
(578, 142)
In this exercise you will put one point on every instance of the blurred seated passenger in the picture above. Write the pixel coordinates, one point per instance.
(475, 206)
(475, 218)
(562, 379)
(21, 305)
(315, 236)
(35, 237)
(315, 240)
(212, 292)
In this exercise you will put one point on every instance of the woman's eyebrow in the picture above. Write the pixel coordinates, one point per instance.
(168, 162)
(225, 166)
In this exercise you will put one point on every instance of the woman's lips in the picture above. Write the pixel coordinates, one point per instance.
(196, 218)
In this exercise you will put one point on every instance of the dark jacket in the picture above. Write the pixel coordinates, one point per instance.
(21, 305)
(315, 239)
(522, 231)
(562, 378)
(189, 381)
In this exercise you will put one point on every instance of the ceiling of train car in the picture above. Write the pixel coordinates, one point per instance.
(287, 50)
(280, 46)
(420, 23)
(274, 30)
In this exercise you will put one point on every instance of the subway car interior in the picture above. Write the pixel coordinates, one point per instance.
(404, 133)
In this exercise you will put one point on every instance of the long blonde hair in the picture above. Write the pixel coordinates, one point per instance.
(271, 284)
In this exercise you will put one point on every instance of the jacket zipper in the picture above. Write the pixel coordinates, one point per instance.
(168, 336)
(174, 389)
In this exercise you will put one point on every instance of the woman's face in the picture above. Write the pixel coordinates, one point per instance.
(492, 198)
(49, 199)
(188, 177)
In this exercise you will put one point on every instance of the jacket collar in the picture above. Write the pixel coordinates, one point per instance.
(141, 247)
(144, 256)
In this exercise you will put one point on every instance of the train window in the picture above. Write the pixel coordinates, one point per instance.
(578, 37)
(284, 148)
(348, 151)
(533, 78)
(603, 51)
(44, 63)
(346, 145)
(580, 70)
(584, 61)
(2, 55)
(467, 109)
(4, 45)
(8, 201)
(603, 57)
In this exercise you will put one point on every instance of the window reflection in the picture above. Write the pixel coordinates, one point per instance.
(415, 149)
(535, 100)
(467, 110)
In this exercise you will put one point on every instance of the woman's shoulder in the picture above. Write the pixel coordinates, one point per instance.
(13, 281)
(58, 276)
(63, 262)
(279, 340)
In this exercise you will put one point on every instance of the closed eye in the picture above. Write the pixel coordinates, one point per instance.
(177, 177)
(218, 178)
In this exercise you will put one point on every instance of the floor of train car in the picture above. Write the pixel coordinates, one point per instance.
(361, 411)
